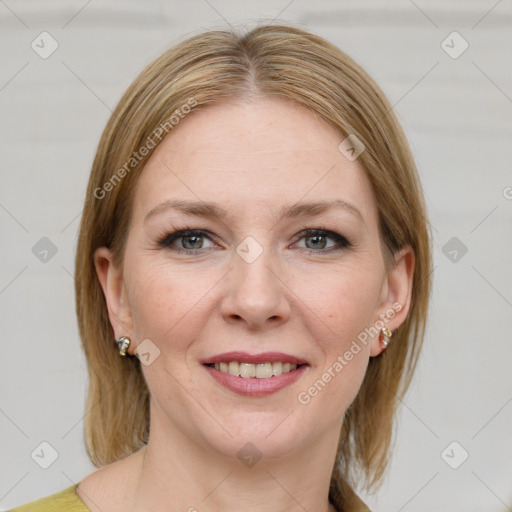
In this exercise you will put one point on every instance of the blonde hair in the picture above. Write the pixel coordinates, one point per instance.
(214, 66)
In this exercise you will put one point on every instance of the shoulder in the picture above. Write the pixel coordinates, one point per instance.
(63, 501)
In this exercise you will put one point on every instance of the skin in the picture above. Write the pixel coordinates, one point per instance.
(250, 158)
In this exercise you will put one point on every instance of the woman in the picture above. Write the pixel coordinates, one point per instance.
(252, 282)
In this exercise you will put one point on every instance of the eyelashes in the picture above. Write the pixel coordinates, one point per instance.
(167, 241)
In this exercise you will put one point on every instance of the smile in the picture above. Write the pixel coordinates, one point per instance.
(258, 371)
(255, 374)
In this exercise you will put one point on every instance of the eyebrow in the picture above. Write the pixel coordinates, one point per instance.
(213, 211)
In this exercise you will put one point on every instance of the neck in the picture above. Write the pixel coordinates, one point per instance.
(173, 469)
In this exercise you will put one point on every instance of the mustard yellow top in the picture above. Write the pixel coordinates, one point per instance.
(68, 501)
(63, 501)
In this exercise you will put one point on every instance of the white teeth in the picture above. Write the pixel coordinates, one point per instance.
(247, 370)
(264, 370)
(260, 370)
(234, 368)
(277, 369)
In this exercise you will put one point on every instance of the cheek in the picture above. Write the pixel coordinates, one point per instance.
(343, 302)
(167, 305)
(152, 305)
(346, 307)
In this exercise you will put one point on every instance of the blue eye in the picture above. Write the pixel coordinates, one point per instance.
(194, 239)
(191, 237)
(319, 239)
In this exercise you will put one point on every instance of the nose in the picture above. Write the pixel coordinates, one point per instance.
(256, 295)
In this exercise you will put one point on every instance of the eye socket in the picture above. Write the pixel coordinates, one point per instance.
(184, 234)
(340, 241)
(167, 241)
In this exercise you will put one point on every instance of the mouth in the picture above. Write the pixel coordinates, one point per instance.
(255, 375)
(265, 370)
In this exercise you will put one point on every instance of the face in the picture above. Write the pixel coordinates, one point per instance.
(260, 276)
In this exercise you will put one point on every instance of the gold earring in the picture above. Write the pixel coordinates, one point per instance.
(385, 336)
(122, 344)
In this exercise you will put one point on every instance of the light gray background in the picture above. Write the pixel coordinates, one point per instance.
(457, 115)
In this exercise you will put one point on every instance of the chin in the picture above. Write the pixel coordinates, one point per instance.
(269, 435)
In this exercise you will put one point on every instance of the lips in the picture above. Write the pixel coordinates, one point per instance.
(259, 384)
(264, 357)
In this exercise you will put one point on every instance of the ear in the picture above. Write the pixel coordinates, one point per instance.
(114, 289)
(395, 299)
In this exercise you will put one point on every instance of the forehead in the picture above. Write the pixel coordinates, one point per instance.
(254, 155)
